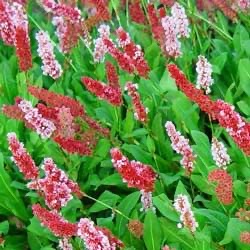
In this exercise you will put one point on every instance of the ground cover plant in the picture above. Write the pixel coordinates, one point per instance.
(124, 124)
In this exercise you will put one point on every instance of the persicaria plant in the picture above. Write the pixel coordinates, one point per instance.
(124, 124)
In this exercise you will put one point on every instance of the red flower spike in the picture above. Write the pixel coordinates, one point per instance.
(23, 50)
(22, 158)
(195, 95)
(101, 9)
(140, 112)
(135, 173)
(155, 24)
(236, 126)
(224, 185)
(122, 59)
(54, 222)
(134, 52)
(136, 13)
(226, 9)
(57, 100)
(112, 77)
(169, 3)
(73, 146)
(106, 92)
(245, 237)
(96, 126)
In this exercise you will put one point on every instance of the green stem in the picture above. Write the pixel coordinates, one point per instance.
(116, 13)
(40, 28)
(216, 28)
(107, 206)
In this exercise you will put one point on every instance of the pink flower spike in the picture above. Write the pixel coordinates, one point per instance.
(181, 145)
(181, 20)
(50, 66)
(22, 158)
(204, 78)
(219, 153)
(64, 244)
(172, 44)
(182, 205)
(140, 112)
(93, 238)
(243, 5)
(56, 187)
(43, 127)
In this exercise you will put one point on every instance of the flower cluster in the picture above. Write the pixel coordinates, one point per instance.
(181, 20)
(219, 153)
(14, 31)
(100, 48)
(146, 200)
(204, 71)
(140, 112)
(106, 92)
(22, 158)
(133, 52)
(181, 145)
(43, 127)
(92, 236)
(64, 119)
(64, 244)
(245, 237)
(166, 247)
(50, 66)
(136, 228)
(111, 73)
(243, 5)
(223, 112)
(68, 21)
(55, 187)
(155, 25)
(235, 125)
(55, 222)
(175, 26)
(182, 205)
(135, 174)
(226, 9)
(57, 100)
(172, 44)
(122, 59)
(136, 12)
(224, 185)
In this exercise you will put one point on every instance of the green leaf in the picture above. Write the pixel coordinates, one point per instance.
(4, 227)
(167, 83)
(234, 228)
(202, 184)
(126, 206)
(240, 188)
(9, 197)
(165, 206)
(175, 235)
(152, 233)
(216, 220)
(106, 197)
(244, 74)
(203, 152)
